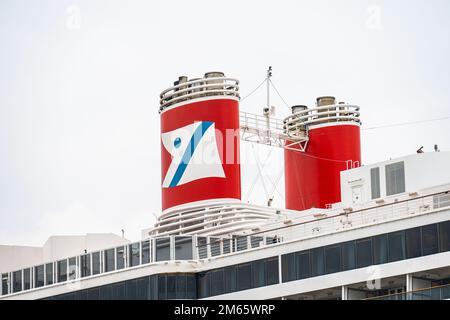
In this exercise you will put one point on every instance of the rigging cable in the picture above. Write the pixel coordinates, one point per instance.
(405, 123)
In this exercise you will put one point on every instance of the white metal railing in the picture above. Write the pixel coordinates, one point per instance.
(270, 131)
(194, 247)
(217, 86)
(298, 122)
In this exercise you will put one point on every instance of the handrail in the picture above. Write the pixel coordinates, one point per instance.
(407, 293)
(218, 86)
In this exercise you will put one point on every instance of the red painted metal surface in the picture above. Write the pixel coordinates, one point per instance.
(312, 179)
(224, 114)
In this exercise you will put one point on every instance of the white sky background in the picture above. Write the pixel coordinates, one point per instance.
(79, 127)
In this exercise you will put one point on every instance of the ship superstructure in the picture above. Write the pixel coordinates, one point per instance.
(349, 231)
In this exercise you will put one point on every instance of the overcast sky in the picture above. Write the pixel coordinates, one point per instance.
(79, 86)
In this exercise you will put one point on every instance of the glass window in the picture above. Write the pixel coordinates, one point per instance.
(143, 291)
(413, 243)
(241, 243)
(244, 276)
(72, 268)
(303, 265)
(191, 291)
(444, 236)
(17, 281)
(317, 262)
(183, 248)
(348, 256)
(120, 258)
(145, 251)
(131, 289)
(226, 246)
(256, 241)
(203, 284)
(202, 247)
(181, 286)
(39, 276)
(214, 244)
(171, 286)
(62, 270)
(27, 279)
(333, 259)
(363, 253)
(163, 249)
(380, 249)
(272, 276)
(134, 254)
(96, 263)
(85, 262)
(5, 281)
(375, 182)
(162, 291)
(429, 239)
(396, 246)
(230, 279)
(216, 282)
(49, 273)
(258, 274)
(109, 260)
(395, 178)
(288, 267)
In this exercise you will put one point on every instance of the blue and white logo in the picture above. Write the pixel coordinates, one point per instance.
(194, 154)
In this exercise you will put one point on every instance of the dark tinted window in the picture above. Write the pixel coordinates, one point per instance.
(181, 287)
(72, 268)
(429, 239)
(162, 287)
(146, 251)
(303, 264)
(96, 263)
(134, 254)
(380, 249)
(348, 256)
(258, 273)
(272, 276)
(230, 279)
(183, 248)
(396, 246)
(5, 283)
(162, 249)
(288, 267)
(171, 286)
(444, 235)
(203, 284)
(85, 261)
(120, 254)
(244, 276)
(364, 253)
(49, 273)
(17, 281)
(191, 290)
(333, 259)
(62, 270)
(216, 277)
(39, 276)
(317, 261)
(109, 260)
(413, 243)
(26, 279)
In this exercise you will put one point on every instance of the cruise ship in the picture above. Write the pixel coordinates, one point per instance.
(350, 231)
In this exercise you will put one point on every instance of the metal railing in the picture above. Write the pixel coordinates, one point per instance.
(433, 293)
(195, 247)
(298, 122)
(217, 86)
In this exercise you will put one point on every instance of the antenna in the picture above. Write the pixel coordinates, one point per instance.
(269, 75)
